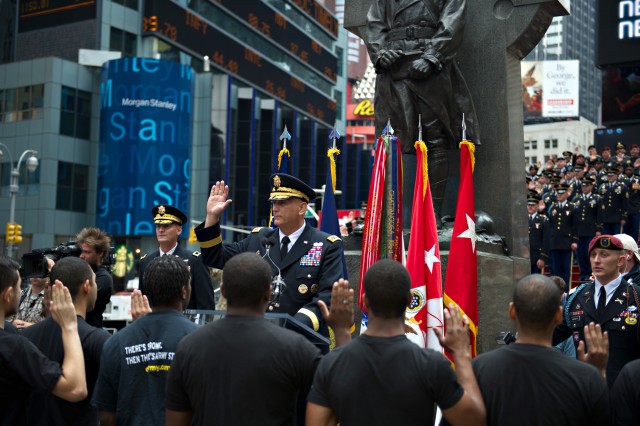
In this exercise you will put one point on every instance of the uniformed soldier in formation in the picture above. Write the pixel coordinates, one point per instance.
(538, 230)
(588, 223)
(614, 203)
(169, 221)
(632, 225)
(607, 159)
(621, 153)
(308, 260)
(609, 301)
(563, 238)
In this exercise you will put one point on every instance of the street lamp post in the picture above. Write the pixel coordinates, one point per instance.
(32, 165)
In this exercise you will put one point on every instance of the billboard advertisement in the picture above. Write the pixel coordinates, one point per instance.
(550, 89)
(618, 32)
(621, 95)
(145, 137)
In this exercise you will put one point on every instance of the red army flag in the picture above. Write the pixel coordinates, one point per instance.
(461, 281)
(423, 262)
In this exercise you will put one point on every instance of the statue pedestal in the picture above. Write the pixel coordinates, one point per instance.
(497, 275)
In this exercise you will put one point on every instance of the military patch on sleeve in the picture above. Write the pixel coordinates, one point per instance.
(196, 253)
(254, 230)
(333, 238)
(143, 256)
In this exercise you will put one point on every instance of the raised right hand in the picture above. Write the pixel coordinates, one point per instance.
(217, 203)
(61, 306)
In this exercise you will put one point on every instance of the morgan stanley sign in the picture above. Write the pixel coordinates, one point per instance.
(145, 139)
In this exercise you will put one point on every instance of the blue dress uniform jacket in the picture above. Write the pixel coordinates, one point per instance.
(201, 287)
(562, 231)
(309, 269)
(620, 321)
(538, 238)
(614, 202)
(588, 214)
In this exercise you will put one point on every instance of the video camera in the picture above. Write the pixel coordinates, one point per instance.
(34, 264)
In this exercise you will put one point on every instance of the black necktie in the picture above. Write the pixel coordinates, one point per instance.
(530, 219)
(602, 301)
(284, 247)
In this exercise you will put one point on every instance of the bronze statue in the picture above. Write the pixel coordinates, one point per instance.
(412, 44)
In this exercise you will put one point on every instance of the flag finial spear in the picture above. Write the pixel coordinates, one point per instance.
(419, 127)
(284, 137)
(334, 135)
(464, 129)
(388, 130)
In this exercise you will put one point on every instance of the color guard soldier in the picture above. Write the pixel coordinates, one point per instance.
(169, 221)
(588, 224)
(562, 235)
(538, 230)
(614, 203)
(609, 301)
(307, 259)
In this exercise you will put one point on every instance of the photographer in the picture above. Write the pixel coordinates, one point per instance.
(95, 249)
(31, 309)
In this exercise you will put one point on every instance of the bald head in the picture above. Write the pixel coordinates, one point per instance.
(536, 299)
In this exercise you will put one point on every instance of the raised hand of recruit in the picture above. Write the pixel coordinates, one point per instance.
(598, 344)
(139, 305)
(61, 306)
(340, 317)
(456, 340)
(217, 203)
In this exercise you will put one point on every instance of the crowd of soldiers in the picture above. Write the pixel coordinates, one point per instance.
(575, 197)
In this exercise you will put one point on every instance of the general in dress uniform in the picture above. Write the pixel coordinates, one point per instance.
(308, 260)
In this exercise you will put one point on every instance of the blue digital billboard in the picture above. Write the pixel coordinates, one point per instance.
(146, 110)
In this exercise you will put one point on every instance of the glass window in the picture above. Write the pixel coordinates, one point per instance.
(122, 41)
(72, 187)
(131, 4)
(75, 113)
(534, 144)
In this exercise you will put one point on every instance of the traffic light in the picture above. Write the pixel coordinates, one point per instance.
(192, 236)
(17, 239)
(11, 233)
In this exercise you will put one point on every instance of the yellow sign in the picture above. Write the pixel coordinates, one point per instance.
(364, 108)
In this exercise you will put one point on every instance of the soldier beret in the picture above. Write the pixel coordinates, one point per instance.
(606, 242)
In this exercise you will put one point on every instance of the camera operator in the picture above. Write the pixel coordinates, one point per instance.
(95, 249)
(31, 309)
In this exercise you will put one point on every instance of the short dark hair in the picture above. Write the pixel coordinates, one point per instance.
(246, 277)
(8, 272)
(387, 286)
(95, 238)
(562, 285)
(536, 299)
(164, 279)
(72, 273)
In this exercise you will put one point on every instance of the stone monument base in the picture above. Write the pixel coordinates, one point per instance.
(497, 274)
